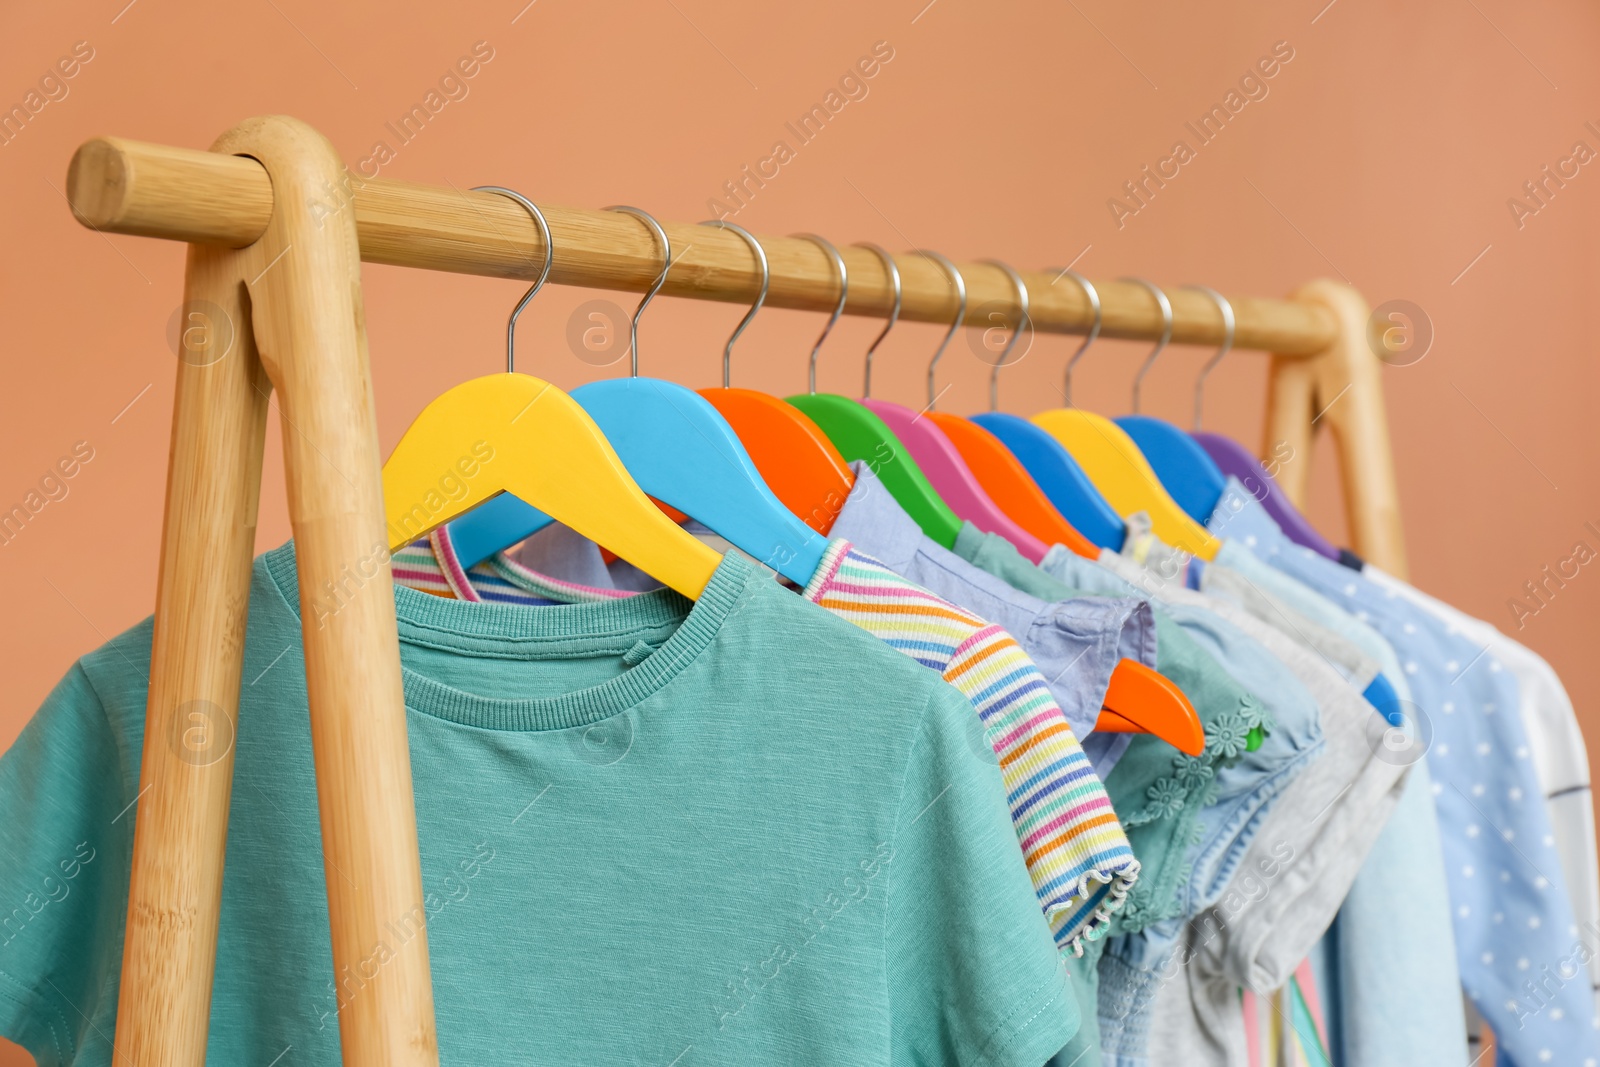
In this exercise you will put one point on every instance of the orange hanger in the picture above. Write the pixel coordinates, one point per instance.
(996, 467)
(1009, 485)
(796, 459)
(1140, 700)
(793, 455)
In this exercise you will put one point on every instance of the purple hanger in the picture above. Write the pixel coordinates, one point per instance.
(1237, 461)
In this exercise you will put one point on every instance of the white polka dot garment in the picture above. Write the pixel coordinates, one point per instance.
(1523, 958)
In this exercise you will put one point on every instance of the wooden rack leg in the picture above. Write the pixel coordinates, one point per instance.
(303, 278)
(306, 295)
(213, 482)
(1340, 387)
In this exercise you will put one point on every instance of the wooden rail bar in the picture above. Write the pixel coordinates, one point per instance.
(122, 186)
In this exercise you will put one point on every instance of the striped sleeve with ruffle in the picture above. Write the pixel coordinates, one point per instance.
(1075, 848)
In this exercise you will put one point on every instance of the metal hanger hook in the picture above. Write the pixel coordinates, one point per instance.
(1023, 321)
(955, 324)
(1091, 294)
(544, 271)
(1225, 306)
(892, 269)
(838, 309)
(761, 295)
(1166, 334)
(655, 287)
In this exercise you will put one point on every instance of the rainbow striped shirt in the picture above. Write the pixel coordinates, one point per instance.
(1075, 848)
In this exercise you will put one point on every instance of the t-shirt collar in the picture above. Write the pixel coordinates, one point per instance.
(683, 628)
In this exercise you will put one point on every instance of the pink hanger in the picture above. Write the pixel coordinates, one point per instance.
(952, 479)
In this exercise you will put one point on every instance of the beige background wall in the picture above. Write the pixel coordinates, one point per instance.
(1384, 152)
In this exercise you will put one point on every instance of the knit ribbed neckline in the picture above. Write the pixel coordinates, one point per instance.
(512, 632)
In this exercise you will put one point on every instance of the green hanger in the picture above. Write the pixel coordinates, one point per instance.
(859, 434)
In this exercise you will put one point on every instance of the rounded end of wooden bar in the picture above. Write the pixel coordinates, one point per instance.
(97, 183)
(120, 186)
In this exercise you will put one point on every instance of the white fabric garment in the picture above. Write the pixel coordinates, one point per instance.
(1416, 955)
(1342, 654)
(1288, 888)
(1559, 756)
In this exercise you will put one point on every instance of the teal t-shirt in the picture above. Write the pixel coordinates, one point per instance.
(738, 830)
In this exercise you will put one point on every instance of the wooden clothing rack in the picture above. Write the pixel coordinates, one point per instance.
(276, 228)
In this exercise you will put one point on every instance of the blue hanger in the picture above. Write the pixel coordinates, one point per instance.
(1051, 465)
(1385, 700)
(679, 450)
(1059, 476)
(1188, 473)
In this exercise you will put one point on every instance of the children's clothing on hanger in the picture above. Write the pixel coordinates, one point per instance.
(1556, 744)
(1075, 849)
(1133, 968)
(873, 520)
(1500, 849)
(1387, 948)
(1383, 949)
(797, 829)
(1286, 890)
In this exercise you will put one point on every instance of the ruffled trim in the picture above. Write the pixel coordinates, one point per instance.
(1104, 894)
(1193, 778)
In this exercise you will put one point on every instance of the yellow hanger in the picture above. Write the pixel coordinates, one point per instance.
(1116, 466)
(519, 434)
(514, 433)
